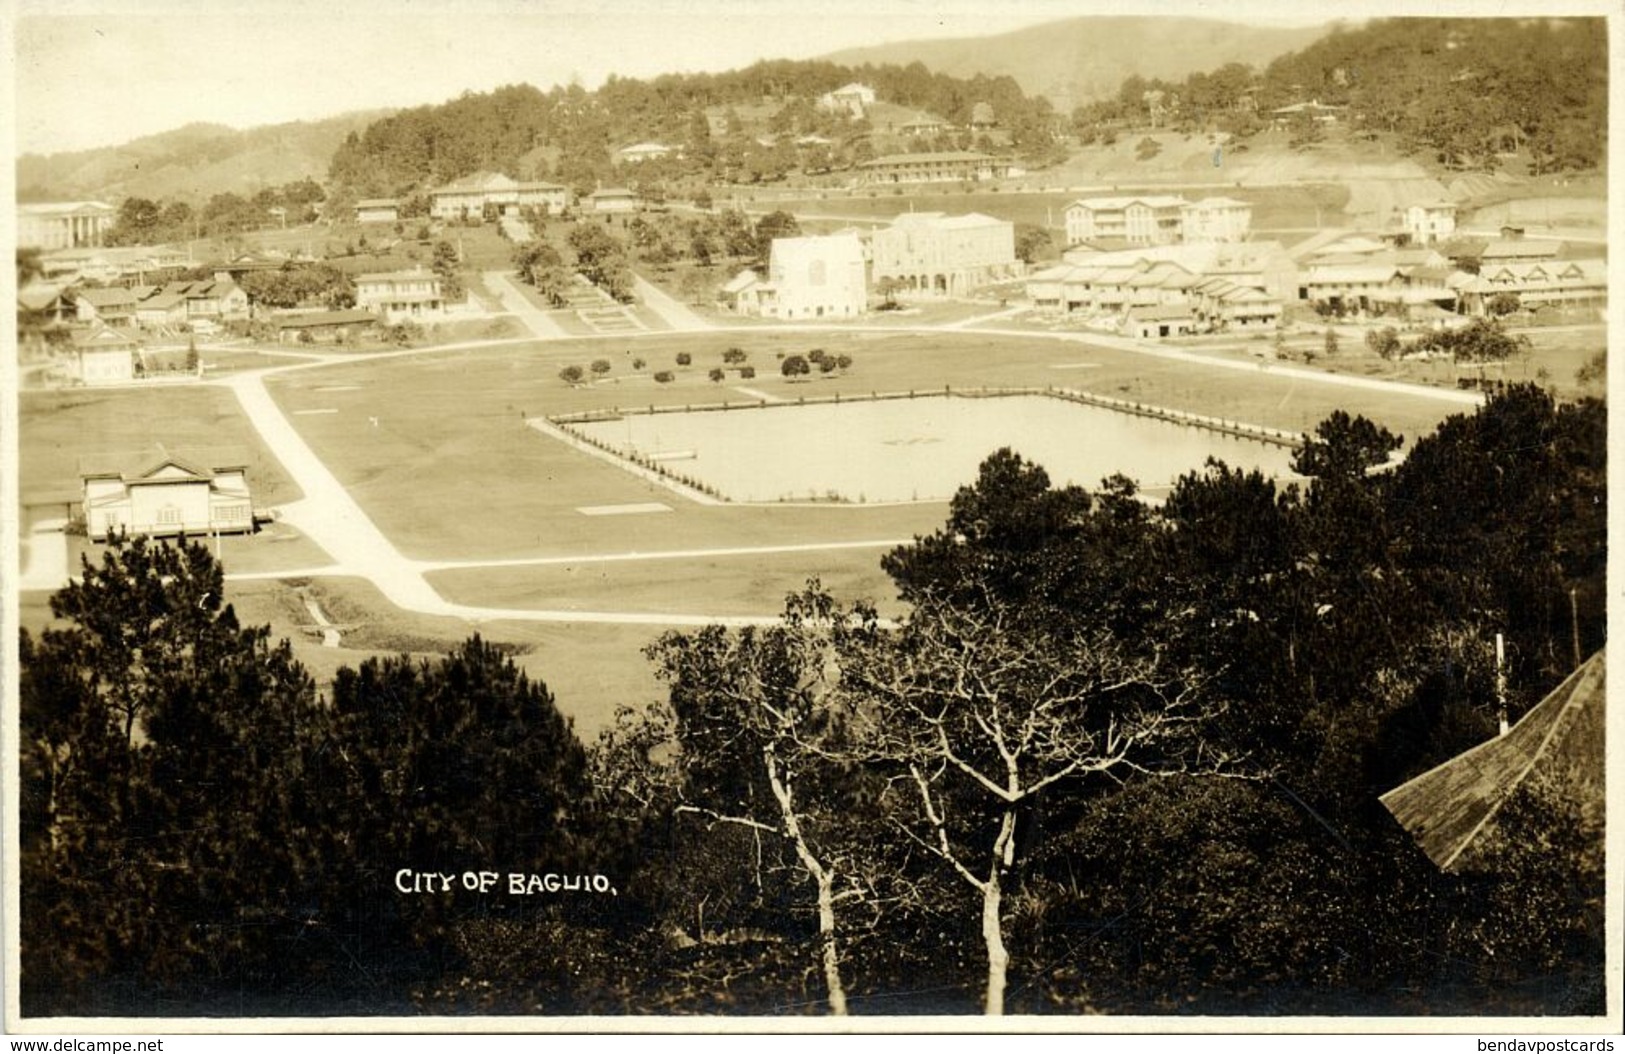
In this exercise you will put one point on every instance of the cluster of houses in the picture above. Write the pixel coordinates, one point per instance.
(919, 254)
(1161, 266)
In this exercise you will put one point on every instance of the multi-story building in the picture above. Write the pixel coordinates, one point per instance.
(1157, 219)
(929, 252)
(1432, 222)
(468, 197)
(400, 296)
(943, 167)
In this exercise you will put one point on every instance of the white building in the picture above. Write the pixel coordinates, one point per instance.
(63, 224)
(930, 252)
(105, 355)
(815, 277)
(400, 296)
(1215, 220)
(466, 198)
(168, 495)
(1431, 223)
(852, 100)
(1157, 219)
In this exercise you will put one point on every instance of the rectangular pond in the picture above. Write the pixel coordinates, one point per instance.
(917, 449)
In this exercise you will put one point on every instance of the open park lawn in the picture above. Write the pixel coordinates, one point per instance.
(451, 470)
(57, 428)
(730, 584)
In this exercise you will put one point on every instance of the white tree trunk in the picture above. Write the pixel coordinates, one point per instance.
(823, 876)
(998, 957)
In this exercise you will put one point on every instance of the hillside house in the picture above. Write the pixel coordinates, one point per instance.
(164, 309)
(215, 300)
(933, 253)
(105, 355)
(612, 199)
(44, 303)
(168, 494)
(1156, 219)
(468, 197)
(112, 306)
(743, 293)
(401, 296)
(1431, 222)
(378, 210)
(1453, 810)
(851, 99)
(1215, 220)
(942, 167)
(640, 152)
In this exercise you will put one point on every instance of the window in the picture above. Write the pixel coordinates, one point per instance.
(169, 516)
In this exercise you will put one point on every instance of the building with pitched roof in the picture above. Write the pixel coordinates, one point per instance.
(942, 167)
(112, 305)
(400, 296)
(1429, 222)
(1157, 219)
(814, 277)
(467, 197)
(850, 99)
(63, 224)
(105, 354)
(934, 253)
(167, 494)
(378, 210)
(1452, 809)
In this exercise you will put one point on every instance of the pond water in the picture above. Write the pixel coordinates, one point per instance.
(921, 449)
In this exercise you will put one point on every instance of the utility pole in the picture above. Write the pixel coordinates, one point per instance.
(1501, 680)
(1574, 624)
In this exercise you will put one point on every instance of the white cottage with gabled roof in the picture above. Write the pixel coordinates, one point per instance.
(168, 494)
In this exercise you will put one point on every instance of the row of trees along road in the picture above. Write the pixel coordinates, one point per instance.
(1115, 757)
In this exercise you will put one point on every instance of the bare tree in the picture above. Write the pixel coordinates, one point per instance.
(754, 709)
(978, 713)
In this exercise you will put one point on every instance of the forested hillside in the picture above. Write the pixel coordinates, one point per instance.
(568, 134)
(1465, 93)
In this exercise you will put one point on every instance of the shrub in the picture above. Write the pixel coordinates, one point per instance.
(684, 358)
(600, 366)
(747, 372)
(716, 373)
(571, 374)
(638, 364)
(665, 377)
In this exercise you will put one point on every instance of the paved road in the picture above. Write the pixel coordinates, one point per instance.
(673, 313)
(536, 320)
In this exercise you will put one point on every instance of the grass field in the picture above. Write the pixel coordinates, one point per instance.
(57, 428)
(453, 472)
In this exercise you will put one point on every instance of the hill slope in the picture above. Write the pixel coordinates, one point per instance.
(1082, 59)
(191, 162)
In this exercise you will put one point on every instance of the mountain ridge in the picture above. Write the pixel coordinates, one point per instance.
(1078, 60)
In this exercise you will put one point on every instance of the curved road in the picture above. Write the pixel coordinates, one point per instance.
(329, 516)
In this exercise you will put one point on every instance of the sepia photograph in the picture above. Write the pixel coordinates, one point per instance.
(723, 515)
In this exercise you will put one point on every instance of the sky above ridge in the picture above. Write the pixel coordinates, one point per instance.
(102, 72)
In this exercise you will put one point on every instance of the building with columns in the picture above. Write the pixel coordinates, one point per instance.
(63, 224)
(929, 252)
